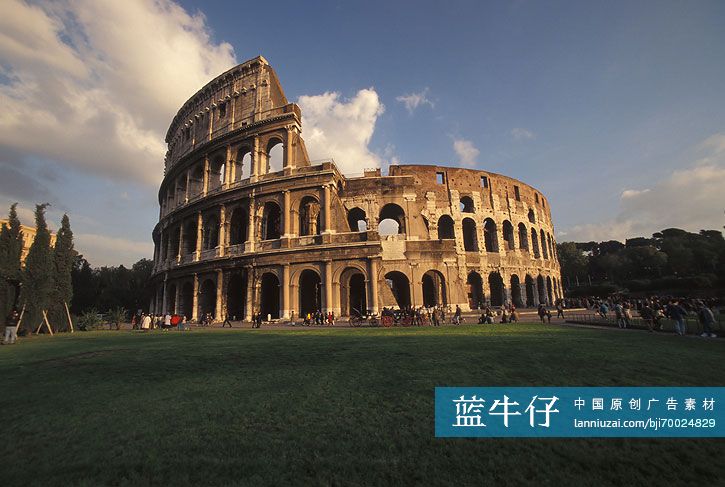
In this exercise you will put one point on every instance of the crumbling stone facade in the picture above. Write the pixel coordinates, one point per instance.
(249, 224)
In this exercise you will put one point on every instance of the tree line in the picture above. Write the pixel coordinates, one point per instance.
(671, 260)
(54, 276)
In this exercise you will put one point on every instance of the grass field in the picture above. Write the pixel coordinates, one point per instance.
(328, 407)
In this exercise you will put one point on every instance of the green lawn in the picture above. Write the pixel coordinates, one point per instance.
(328, 407)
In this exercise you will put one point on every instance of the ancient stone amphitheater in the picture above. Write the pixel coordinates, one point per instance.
(248, 223)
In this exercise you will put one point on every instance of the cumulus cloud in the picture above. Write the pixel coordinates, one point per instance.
(340, 128)
(95, 83)
(519, 133)
(466, 152)
(689, 198)
(414, 100)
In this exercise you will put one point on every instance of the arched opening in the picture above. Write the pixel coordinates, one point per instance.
(434, 289)
(498, 291)
(238, 226)
(516, 297)
(352, 292)
(217, 168)
(508, 235)
(392, 220)
(549, 290)
(544, 249)
(190, 237)
(207, 298)
(555, 288)
(275, 155)
(236, 293)
(445, 228)
(243, 164)
(467, 205)
(535, 243)
(211, 232)
(400, 287)
(490, 235)
(523, 237)
(196, 180)
(269, 299)
(541, 285)
(186, 307)
(181, 189)
(271, 221)
(310, 292)
(530, 291)
(175, 242)
(309, 223)
(532, 216)
(171, 299)
(356, 219)
(475, 290)
(470, 235)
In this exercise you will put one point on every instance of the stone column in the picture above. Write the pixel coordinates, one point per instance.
(327, 208)
(249, 308)
(199, 235)
(180, 252)
(186, 191)
(288, 161)
(205, 189)
(254, 173)
(251, 237)
(169, 245)
(328, 287)
(164, 297)
(195, 299)
(176, 298)
(287, 214)
(222, 230)
(286, 311)
(373, 278)
(219, 293)
(228, 167)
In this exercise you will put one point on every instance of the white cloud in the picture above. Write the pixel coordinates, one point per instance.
(690, 198)
(466, 152)
(95, 83)
(339, 128)
(111, 251)
(519, 133)
(414, 100)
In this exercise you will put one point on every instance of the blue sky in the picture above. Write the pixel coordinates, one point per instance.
(615, 110)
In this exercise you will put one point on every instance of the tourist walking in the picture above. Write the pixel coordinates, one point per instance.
(145, 322)
(707, 319)
(227, 321)
(677, 314)
(560, 309)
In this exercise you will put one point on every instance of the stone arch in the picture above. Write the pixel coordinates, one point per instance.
(353, 295)
(393, 212)
(175, 241)
(207, 298)
(243, 163)
(190, 234)
(544, 250)
(399, 285)
(508, 235)
(309, 216)
(236, 296)
(446, 228)
(516, 298)
(470, 235)
(238, 226)
(186, 306)
(170, 299)
(549, 290)
(467, 205)
(275, 155)
(523, 237)
(310, 292)
(271, 221)
(269, 299)
(535, 243)
(474, 283)
(196, 180)
(217, 170)
(498, 289)
(357, 220)
(210, 232)
(490, 235)
(434, 289)
(532, 216)
(530, 291)
(541, 285)
(181, 188)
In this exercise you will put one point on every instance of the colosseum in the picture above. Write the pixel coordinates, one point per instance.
(249, 224)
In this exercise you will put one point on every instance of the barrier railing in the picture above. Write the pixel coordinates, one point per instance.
(693, 325)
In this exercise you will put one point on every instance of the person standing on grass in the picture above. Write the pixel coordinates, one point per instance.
(677, 314)
(542, 312)
(619, 313)
(707, 318)
(457, 316)
(559, 309)
(145, 322)
(227, 321)
(11, 334)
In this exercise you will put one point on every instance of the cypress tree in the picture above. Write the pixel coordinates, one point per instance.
(38, 274)
(63, 259)
(11, 250)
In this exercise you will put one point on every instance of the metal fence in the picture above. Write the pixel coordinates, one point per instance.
(693, 325)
